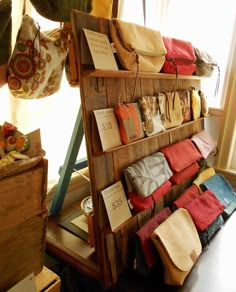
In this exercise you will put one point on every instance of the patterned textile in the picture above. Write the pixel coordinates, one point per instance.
(37, 62)
(147, 174)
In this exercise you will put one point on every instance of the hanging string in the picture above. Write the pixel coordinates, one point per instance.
(136, 77)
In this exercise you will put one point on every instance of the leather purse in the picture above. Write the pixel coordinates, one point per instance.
(138, 47)
(179, 246)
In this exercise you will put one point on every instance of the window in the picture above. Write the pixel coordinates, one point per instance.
(207, 24)
(55, 115)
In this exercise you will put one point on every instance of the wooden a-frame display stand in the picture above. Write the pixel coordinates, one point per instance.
(101, 89)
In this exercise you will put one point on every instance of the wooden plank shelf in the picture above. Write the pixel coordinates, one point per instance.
(132, 74)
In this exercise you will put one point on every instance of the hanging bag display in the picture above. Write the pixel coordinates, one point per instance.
(37, 62)
(137, 46)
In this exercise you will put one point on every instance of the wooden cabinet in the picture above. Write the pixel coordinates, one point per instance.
(23, 218)
(101, 89)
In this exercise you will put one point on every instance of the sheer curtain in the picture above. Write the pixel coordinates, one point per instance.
(208, 24)
(54, 115)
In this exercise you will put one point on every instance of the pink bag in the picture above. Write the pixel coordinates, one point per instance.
(180, 57)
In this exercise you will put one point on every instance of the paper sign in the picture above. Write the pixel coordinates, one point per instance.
(108, 128)
(116, 205)
(100, 49)
(81, 222)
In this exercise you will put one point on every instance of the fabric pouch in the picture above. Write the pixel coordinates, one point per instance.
(205, 143)
(130, 122)
(173, 110)
(189, 171)
(141, 204)
(181, 154)
(147, 174)
(180, 57)
(151, 115)
(223, 190)
(187, 196)
(195, 104)
(208, 233)
(145, 251)
(203, 176)
(179, 246)
(184, 96)
(36, 65)
(204, 209)
(138, 47)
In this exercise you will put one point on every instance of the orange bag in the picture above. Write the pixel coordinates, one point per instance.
(130, 123)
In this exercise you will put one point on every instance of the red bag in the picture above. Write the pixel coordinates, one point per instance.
(180, 57)
(141, 204)
(181, 154)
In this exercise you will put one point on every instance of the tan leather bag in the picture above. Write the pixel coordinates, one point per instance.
(179, 246)
(136, 44)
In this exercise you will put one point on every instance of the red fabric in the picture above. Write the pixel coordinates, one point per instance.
(189, 171)
(187, 196)
(181, 154)
(141, 204)
(204, 210)
(182, 50)
(144, 234)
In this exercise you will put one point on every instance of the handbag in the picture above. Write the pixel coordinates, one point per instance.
(129, 121)
(205, 63)
(138, 47)
(172, 110)
(151, 115)
(180, 57)
(36, 65)
(179, 246)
